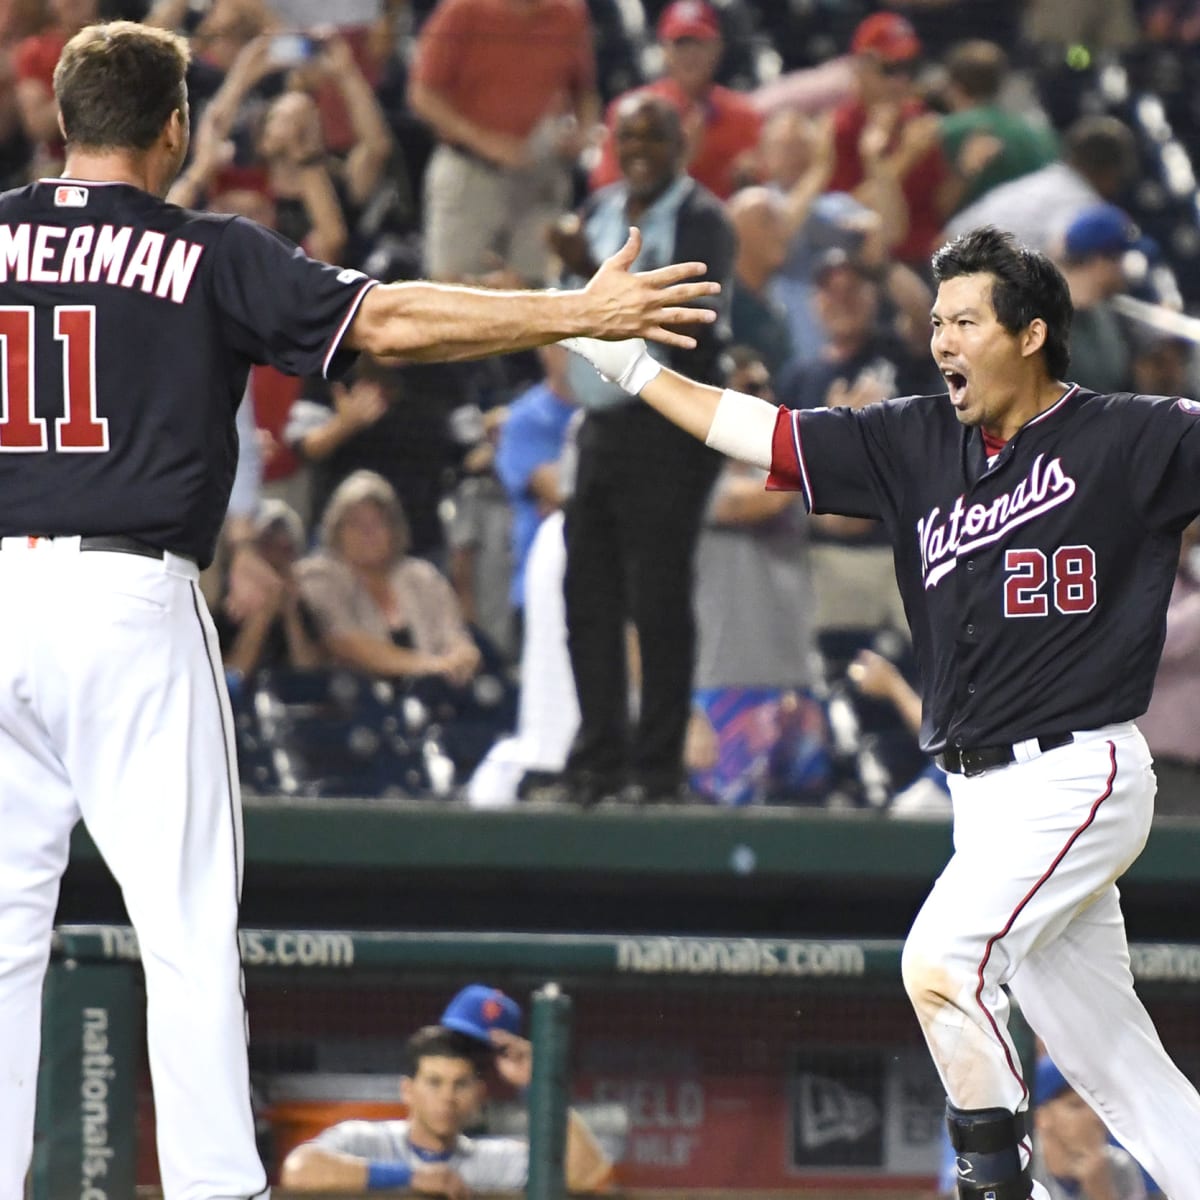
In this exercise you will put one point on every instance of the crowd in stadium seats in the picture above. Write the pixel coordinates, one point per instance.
(371, 589)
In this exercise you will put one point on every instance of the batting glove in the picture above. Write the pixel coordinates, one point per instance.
(626, 363)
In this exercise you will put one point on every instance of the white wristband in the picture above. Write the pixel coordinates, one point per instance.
(639, 373)
(744, 428)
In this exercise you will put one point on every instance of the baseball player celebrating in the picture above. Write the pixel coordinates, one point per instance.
(1036, 530)
(127, 329)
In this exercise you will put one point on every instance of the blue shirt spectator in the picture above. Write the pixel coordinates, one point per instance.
(527, 458)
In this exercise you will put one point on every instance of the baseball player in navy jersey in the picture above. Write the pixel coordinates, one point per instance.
(1036, 530)
(127, 329)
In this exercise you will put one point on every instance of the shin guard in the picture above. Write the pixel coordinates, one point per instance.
(988, 1160)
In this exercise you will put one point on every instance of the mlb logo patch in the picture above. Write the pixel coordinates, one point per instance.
(70, 197)
(1189, 406)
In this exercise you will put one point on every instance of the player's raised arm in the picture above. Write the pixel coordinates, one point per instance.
(441, 322)
(734, 423)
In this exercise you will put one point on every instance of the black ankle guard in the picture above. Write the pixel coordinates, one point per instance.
(987, 1159)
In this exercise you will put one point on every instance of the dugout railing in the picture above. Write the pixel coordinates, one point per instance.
(741, 1064)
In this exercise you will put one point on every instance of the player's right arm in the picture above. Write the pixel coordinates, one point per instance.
(738, 425)
(848, 455)
(430, 322)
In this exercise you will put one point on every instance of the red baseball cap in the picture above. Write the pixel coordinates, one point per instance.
(688, 19)
(887, 36)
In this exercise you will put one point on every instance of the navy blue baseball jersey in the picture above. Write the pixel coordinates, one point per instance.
(127, 329)
(1036, 586)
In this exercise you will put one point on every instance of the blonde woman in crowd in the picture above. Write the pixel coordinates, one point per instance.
(379, 610)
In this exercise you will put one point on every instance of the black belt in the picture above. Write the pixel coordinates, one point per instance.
(119, 543)
(974, 760)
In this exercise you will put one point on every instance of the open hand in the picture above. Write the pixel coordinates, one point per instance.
(625, 304)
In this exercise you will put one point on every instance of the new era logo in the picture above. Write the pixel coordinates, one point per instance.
(831, 1112)
(70, 197)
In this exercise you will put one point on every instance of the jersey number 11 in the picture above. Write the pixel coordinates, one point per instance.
(79, 430)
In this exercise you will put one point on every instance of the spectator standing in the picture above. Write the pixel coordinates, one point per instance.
(640, 488)
(756, 318)
(854, 580)
(1099, 161)
(527, 459)
(508, 87)
(885, 138)
(530, 762)
(381, 611)
(796, 161)
(479, 530)
(721, 127)
(292, 148)
(754, 634)
(19, 19)
(34, 61)
(293, 143)
(985, 142)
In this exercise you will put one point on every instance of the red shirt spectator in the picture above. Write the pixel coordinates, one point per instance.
(886, 53)
(720, 125)
(36, 57)
(920, 184)
(504, 66)
(34, 61)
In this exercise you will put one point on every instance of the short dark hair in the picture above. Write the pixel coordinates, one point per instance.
(977, 68)
(636, 103)
(118, 83)
(1025, 285)
(436, 1041)
(1101, 148)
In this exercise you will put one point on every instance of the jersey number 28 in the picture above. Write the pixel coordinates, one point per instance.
(1073, 575)
(79, 430)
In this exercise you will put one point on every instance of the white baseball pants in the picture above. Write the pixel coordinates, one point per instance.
(1029, 899)
(113, 708)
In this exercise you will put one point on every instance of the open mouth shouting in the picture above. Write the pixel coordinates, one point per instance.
(956, 385)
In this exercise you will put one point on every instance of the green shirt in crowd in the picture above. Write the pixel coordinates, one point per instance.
(1027, 145)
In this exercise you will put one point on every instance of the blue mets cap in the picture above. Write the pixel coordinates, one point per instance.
(1106, 230)
(478, 1009)
(1048, 1081)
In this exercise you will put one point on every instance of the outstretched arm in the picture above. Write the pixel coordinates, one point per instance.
(741, 426)
(429, 322)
